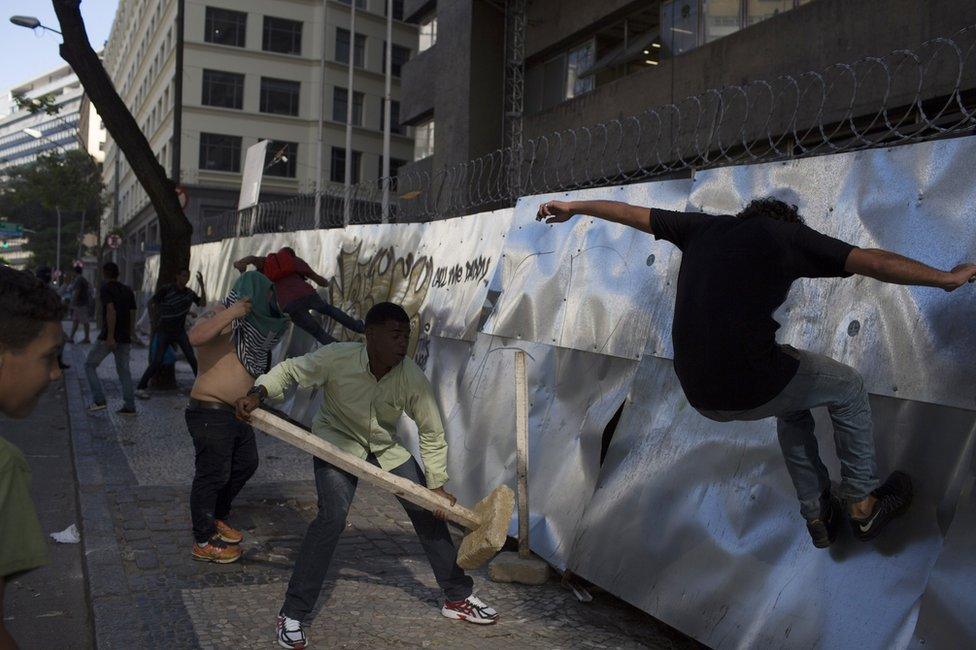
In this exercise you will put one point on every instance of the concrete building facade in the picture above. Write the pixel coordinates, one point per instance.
(23, 135)
(586, 63)
(251, 71)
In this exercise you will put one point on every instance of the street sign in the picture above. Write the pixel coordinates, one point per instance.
(253, 172)
(183, 197)
(10, 230)
(113, 241)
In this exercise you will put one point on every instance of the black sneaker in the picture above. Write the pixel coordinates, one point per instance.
(126, 411)
(823, 530)
(893, 498)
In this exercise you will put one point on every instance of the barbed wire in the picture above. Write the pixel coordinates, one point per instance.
(903, 97)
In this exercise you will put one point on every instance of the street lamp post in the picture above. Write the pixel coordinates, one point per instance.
(30, 22)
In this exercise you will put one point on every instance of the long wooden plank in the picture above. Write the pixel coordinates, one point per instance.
(401, 487)
(522, 451)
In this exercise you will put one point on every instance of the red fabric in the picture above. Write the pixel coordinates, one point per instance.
(278, 265)
(292, 287)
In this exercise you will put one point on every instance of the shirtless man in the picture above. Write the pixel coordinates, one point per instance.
(233, 343)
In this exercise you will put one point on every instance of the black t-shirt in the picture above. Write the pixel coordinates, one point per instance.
(734, 274)
(124, 300)
(174, 304)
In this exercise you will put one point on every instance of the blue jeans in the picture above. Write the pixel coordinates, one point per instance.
(298, 311)
(95, 357)
(820, 381)
(165, 338)
(336, 489)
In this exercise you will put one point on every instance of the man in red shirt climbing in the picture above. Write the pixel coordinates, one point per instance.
(296, 296)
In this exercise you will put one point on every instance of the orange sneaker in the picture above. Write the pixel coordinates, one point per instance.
(227, 534)
(216, 551)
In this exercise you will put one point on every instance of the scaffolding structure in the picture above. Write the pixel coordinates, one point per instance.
(514, 87)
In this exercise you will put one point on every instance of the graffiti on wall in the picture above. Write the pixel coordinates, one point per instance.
(472, 271)
(361, 281)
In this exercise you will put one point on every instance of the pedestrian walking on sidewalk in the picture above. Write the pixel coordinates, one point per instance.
(367, 386)
(118, 328)
(168, 309)
(234, 340)
(79, 297)
(30, 339)
(296, 296)
(735, 272)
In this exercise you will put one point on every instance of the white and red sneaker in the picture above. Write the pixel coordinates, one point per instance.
(289, 633)
(471, 609)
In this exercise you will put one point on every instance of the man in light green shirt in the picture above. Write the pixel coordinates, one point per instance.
(30, 341)
(366, 387)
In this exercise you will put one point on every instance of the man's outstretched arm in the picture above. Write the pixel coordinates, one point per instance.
(242, 264)
(897, 269)
(634, 216)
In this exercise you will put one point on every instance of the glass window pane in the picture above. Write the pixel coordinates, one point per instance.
(423, 140)
(428, 33)
(279, 96)
(282, 35)
(340, 98)
(220, 152)
(759, 10)
(342, 48)
(360, 61)
(337, 166)
(225, 27)
(577, 61)
(721, 18)
(357, 109)
(679, 26)
(281, 159)
(224, 89)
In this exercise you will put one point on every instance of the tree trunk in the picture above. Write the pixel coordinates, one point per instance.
(175, 229)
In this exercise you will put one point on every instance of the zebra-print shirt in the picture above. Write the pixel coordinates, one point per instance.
(253, 348)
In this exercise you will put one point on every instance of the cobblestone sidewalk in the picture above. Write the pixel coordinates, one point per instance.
(146, 592)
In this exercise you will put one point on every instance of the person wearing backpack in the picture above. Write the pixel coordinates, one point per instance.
(296, 296)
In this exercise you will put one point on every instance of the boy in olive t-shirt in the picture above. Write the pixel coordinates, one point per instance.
(30, 339)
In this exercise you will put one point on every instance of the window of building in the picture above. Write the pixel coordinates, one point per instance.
(342, 48)
(225, 26)
(360, 4)
(279, 96)
(395, 165)
(395, 126)
(423, 144)
(224, 89)
(679, 26)
(220, 152)
(397, 9)
(281, 159)
(338, 165)
(428, 33)
(680, 19)
(340, 100)
(579, 60)
(759, 10)
(721, 18)
(400, 56)
(282, 35)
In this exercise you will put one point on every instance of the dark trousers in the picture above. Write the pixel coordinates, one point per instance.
(163, 340)
(299, 309)
(336, 489)
(226, 457)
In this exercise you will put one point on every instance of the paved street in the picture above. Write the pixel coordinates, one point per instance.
(145, 592)
(47, 607)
